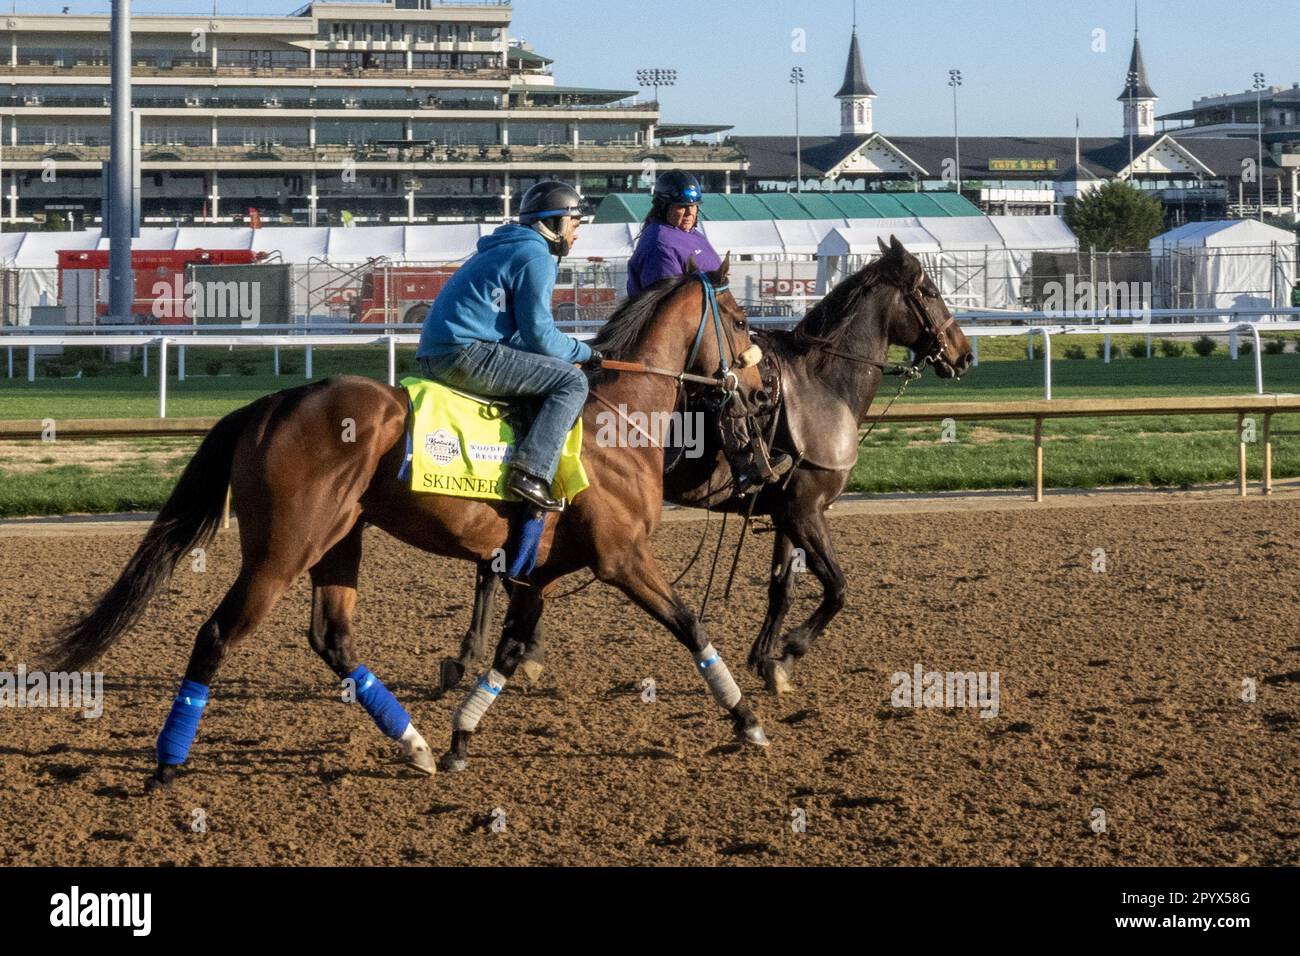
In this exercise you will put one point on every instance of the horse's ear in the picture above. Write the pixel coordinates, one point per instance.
(884, 249)
(691, 267)
(908, 267)
(724, 268)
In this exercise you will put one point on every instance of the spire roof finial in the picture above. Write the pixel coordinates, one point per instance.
(855, 77)
(1136, 86)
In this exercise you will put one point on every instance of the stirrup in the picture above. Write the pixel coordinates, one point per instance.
(533, 490)
(768, 466)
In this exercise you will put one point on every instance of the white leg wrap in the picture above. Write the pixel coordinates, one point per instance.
(718, 677)
(411, 740)
(475, 705)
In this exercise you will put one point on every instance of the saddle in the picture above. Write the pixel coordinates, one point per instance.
(461, 444)
(813, 423)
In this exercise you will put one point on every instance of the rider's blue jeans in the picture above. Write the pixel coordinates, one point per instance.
(499, 371)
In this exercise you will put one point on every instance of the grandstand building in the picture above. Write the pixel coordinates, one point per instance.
(1205, 171)
(396, 111)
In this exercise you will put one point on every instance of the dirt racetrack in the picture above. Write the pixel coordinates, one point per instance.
(1120, 690)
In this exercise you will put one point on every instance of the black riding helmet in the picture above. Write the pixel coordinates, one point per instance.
(678, 188)
(545, 207)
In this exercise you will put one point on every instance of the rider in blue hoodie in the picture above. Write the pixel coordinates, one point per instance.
(490, 332)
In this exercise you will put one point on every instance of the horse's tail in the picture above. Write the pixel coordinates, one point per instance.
(187, 520)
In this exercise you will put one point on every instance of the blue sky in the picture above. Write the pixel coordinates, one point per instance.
(1029, 65)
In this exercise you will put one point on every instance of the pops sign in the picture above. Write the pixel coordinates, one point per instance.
(770, 287)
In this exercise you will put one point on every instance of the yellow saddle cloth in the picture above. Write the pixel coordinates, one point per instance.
(461, 445)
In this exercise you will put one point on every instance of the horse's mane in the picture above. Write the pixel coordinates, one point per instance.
(829, 321)
(621, 333)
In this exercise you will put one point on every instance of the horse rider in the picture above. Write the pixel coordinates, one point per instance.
(669, 240)
(490, 332)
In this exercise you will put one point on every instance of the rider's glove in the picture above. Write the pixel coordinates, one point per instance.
(594, 363)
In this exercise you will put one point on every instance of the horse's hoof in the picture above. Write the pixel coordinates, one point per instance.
(776, 678)
(754, 735)
(532, 670)
(421, 758)
(164, 775)
(781, 682)
(452, 764)
(450, 673)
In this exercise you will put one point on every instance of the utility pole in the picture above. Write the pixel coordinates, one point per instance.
(1259, 119)
(121, 289)
(954, 80)
(796, 77)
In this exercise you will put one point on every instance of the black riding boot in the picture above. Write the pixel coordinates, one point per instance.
(532, 489)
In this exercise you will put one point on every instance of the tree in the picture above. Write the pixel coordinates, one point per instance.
(1115, 218)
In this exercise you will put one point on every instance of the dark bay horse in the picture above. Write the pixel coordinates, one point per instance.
(309, 467)
(823, 375)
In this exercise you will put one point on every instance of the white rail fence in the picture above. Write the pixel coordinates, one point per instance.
(1051, 327)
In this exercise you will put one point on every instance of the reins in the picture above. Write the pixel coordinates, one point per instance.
(726, 380)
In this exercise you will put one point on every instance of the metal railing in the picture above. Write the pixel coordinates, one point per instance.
(415, 155)
(393, 335)
(52, 65)
(1037, 412)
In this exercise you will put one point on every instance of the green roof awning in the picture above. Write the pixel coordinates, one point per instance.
(623, 207)
(517, 55)
(568, 90)
(634, 207)
(673, 130)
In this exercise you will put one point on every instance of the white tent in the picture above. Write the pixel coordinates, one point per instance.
(801, 237)
(1022, 236)
(978, 261)
(35, 256)
(972, 269)
(758, 239)
(295, 244)
(1234, 263)
(847, 249)
(358, 245)
(450, 243)
(1040, 233)
(606, 240)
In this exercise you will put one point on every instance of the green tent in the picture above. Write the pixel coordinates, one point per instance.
(734, 207)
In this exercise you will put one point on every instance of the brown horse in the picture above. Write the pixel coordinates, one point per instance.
(308, 467)
(823, 376)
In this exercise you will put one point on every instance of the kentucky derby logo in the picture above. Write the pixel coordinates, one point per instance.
(441, 446)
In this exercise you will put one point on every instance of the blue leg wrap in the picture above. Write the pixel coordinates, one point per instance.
(379, 702)
(182, 723)
(530, 525)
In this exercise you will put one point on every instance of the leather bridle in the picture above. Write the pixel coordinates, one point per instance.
(726, 381)
(915, 304)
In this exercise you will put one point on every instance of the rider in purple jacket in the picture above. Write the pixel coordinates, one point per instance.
(668, 241)
(669, 237)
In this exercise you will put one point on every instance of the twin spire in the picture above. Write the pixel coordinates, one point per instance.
(1138, 98)
(856, 96)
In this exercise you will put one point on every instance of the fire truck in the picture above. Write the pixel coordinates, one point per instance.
(159, 293)
(404, 293)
